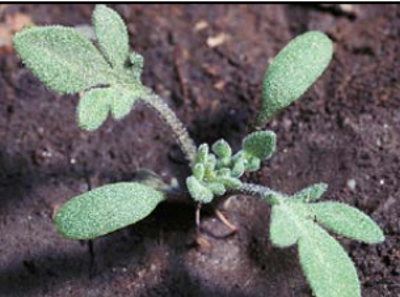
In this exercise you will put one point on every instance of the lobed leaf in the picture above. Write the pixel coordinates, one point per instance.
(106, 209)
(93, 108)
(311, 193)
(63, 59)
(328, 269)
(293, 71)
(260, 144)
(347, 221)
(198, 191)
(112, 35)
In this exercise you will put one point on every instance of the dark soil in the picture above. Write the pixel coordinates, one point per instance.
(347, 127)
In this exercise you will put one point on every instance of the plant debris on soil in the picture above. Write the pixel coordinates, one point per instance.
(207, 62)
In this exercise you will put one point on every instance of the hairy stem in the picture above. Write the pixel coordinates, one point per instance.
(260, 192)
(185, 142)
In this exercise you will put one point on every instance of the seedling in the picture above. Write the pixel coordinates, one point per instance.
(108, 79)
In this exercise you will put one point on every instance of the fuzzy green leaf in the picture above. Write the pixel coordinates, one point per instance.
(202, 154)
(137, 62)
(328, 269)
(347, 221)
(93, 108)
(260, 144)
(112, 35)
(252, 164)
(122, 102)
(311, 193)
(198, 171)
(284, 229)
(198, 191)
(293, 71)
(64, 60)
(230, 182)
(106, 209)
(238, 168)
(222, 149)
(217, 188)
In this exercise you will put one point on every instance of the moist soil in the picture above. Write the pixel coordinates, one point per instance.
(207, 62)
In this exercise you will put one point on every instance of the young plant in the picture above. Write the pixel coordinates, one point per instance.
(108, 77)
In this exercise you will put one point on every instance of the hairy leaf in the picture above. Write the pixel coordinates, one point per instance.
(284, 228)
(137, 62)
(106, 209)
(222, 149)
(293, 71)
(311, 193)
(198, 191)
(122, 102)
(260, 144)
(112, 35)
(64, 60)
(328, 269)
(347, 221)
(217, 188)
(238, 168)
(93, 108)
(202, 154)
(230, 182)
(198, 171)
(252, 164)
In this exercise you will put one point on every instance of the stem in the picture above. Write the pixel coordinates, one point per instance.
(260, 192)
(185, 142)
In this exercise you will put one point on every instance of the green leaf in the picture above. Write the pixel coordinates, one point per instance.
(137, 62)
(112, 35)
(328, 269)
(293, 71)
(64, 60)
(198, 171)
(222, 149)
(93, 108)
(198, 191)
(284, 229)
(260, 144)
(347, 221)
(106, 209)
(238, 168)
(217, 188)
(252, 164)
(202, 154)
(230, 182)
(311, 193)
(122, 102)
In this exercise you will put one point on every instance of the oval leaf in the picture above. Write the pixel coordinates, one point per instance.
(111, 34)
(284, 230)
(293, 71)
(311, 193)
(64, 60)
(347, 221)
(122, 103)
(93, 108)
(198, 191)
(328, 269)
(106, 209)
(260, 144)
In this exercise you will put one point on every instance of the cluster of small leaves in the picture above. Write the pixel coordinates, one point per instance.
(328, 269)
(67, 62)
(213, 173)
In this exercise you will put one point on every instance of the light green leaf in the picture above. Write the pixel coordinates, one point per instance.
(260, 144)
(222, 149)
(198, 171)
(198, 191)
(347, 221)
(137, 62)
(293, 71)
(217, 188)
(238, 168)
(230, 182)
(106, 209)
(112, 35)
(202, 153)
(252, 164)
(122, 102)
(284, 228)
(328, 269)
(311, 193)
(64, 60)
(93, 108)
